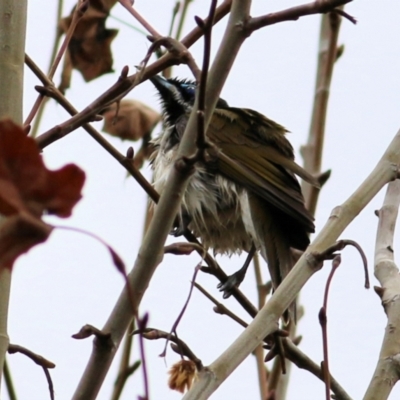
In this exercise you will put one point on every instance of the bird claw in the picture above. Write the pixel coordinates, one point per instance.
(233, 281)
(177, 231)
(181, 225)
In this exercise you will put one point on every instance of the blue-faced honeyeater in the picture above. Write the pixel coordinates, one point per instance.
(231, 205)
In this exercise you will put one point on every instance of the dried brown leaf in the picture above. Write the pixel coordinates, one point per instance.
(181, 375)
(132, 120)
(89, 50)
(27, 190)
(18, 234)
(26, 185)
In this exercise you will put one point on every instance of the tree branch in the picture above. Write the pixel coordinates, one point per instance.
(266, 321)
(294, 13)
(387, 371)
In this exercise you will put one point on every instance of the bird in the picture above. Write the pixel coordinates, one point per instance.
(247, 194)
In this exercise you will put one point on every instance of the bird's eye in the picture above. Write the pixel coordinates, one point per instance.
(190, 90)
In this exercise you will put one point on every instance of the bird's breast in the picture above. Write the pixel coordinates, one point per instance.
(216, 207)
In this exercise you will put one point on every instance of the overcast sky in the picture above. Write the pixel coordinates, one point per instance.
(70, 280)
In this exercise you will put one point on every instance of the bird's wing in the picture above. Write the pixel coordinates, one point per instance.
(250, 157)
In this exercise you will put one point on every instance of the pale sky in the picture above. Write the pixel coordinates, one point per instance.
(70, 280)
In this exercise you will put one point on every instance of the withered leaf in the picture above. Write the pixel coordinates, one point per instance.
(181, 375)
(26, 184)
(27, 190)
(89, 50)
(132, 120)
(18, 234)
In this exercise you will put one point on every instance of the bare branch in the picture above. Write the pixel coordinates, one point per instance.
(266, 320)
(128, 6)
(312, 151)
(301, 360)
(387, 371)
(294, 13)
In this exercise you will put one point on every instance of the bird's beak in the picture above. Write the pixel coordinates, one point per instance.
(164, 87)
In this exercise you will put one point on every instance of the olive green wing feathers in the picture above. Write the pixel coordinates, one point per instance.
(255, 154)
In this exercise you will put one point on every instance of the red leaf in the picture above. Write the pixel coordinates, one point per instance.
(26, 185)
(27, 190)
(18, 234)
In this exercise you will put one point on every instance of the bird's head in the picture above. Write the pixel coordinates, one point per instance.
(177, 96)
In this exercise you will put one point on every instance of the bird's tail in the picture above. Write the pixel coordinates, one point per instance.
(275, 243)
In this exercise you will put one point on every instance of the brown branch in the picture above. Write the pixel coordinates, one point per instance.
(219, 307)
(324, 326)
(151, 251)
(292, 352)
(182, 312)
(89, 330)
(58, 35)
(294, 13)
(207, 28)
(37, 359)
(175, 48)
(78, 14)
(49, 382)
(213, 268)
(127, 4)
(126, 162)
(302, 361)
(123, 86)
(330, 253)
(312, 151)
(184, 349)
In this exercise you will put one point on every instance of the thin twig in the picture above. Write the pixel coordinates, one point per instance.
(175, 11)
(182, 312)
(184, 349)
(146, 25)
(126, 162)
(301, 360)
(142, 325)
(266, 320)
(294, 13)
(151, 251)
(77, 15)
(221, 308)
(36, 358)
(182, 18)
(9, 382)
(49, 382)
(58, 35)
(123, 87)
(259, 352)
(214, 268)
(201, 142)
(323, 322)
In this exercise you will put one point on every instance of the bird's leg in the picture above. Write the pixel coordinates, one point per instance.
(181, 224)
(236, 279)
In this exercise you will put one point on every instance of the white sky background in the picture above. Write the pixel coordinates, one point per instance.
(70, 280)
